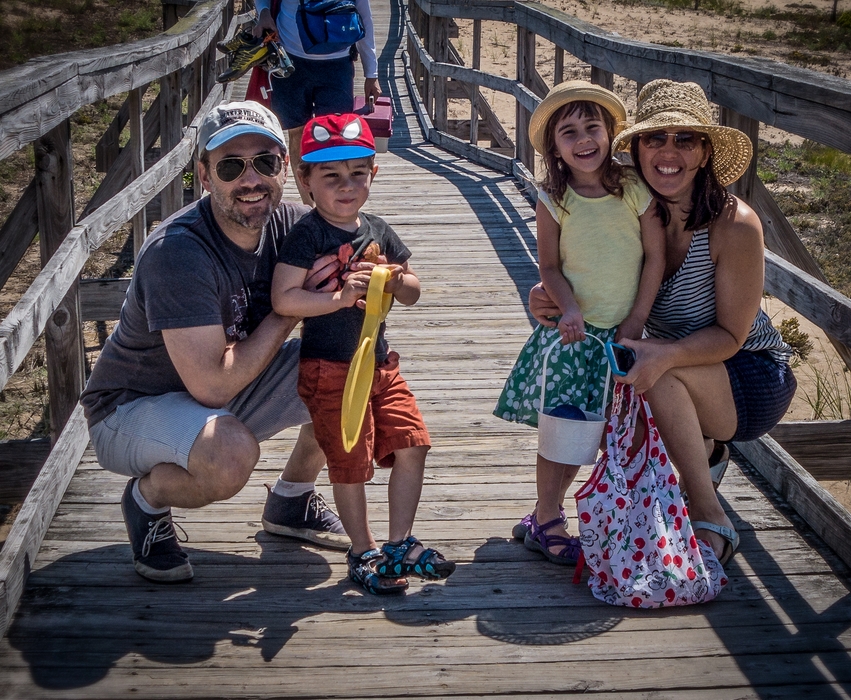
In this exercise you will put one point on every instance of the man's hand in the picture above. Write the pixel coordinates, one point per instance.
(325, 268)
(264, 21)
(371, 87)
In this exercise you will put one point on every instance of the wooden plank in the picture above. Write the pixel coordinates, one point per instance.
(107, 148)
(171, 131)
(809, 296)
(20, 463)
(101, 299)
(63, 332)
(823, 448)
(522, 114)
(32, 521)
(799, 488)
(136, 150)
(18, 232)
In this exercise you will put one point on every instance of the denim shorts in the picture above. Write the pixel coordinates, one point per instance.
(762, 390)
(314, 89)
(153, 430)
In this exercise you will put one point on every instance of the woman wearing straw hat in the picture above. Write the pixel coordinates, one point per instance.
(712, 366)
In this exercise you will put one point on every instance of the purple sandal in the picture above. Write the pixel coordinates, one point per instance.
(537, 540)
(520, 530)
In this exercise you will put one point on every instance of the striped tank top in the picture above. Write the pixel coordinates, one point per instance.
(686, 303)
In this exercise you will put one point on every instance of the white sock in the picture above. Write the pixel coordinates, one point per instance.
(143, 504)
(291, 489)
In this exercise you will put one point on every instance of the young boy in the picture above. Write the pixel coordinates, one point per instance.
(337, 169)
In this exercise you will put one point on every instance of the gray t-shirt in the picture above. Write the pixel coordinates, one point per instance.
(187, 274)
(335, 336)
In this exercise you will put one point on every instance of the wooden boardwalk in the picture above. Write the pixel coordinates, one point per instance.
(268, 617)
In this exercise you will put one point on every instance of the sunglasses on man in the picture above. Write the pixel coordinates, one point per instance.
(265, 164)
(683, 140)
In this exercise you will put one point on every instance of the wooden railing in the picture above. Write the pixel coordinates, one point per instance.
(36, 102)
(747, 90)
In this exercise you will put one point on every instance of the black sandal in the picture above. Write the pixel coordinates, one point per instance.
(362, 570)
(410, 557)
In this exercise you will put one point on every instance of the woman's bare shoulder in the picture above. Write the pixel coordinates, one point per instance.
(737, 225)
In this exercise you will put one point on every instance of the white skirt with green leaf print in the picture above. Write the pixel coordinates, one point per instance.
(576, 374)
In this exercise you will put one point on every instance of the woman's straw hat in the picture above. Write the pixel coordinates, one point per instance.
(665, 104)
(572, 91)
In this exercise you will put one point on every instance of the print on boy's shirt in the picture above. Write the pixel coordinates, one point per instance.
(347, 256)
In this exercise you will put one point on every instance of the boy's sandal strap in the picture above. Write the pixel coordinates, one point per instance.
(428, 564)
(362, 570)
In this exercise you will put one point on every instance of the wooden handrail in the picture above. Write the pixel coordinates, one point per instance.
(37, 96)
(804, 102)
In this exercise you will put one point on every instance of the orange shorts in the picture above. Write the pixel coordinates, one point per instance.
(392, 421)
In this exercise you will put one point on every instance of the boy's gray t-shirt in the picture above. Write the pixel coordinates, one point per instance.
(335, 336)
(187, 274)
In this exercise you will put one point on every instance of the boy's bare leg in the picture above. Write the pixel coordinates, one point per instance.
(403, 492)
(306, 459)
(350, 500)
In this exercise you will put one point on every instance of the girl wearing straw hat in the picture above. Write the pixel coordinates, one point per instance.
(713, 367)
(601, 256)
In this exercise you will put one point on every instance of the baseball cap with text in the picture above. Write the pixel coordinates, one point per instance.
(231, 119)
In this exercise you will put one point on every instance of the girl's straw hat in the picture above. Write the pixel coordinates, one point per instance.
(572, 91)
(665, 104)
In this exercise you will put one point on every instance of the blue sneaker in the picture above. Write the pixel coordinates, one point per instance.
(157, 556)
(306, 517)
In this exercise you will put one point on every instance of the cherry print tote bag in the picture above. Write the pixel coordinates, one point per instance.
(634, 528)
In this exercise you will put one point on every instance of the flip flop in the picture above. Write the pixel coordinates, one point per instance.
(362, 368)
(730, 536)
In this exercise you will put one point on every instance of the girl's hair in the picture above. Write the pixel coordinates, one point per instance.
(555, 180)
(707, 198)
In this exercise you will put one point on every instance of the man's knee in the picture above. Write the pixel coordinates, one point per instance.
(223, 457)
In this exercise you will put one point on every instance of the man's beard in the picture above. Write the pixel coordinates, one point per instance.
(229, 207)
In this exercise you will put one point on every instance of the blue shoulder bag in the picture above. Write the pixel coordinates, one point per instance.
(328, 26)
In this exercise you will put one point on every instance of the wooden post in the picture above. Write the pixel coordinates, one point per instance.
(171, 131)
(743, 187)
(173, 10)
(440, 52)
(525, 74)
(474, 98)
(429, 81)
(136, 145)
(63, 332)
(558, 68)
(196, 99)
(603, 78)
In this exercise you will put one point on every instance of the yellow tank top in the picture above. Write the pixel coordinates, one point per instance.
(600, 249)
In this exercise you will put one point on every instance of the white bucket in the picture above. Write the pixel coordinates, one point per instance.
(565, 440)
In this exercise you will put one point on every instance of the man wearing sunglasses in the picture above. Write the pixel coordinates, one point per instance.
(199, 370)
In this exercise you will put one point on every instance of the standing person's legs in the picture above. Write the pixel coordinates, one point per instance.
(315, 88)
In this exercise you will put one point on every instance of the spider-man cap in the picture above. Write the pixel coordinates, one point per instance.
(336, 137)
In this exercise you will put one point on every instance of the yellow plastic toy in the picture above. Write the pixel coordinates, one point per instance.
(359, 380)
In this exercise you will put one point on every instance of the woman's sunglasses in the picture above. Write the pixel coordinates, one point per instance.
(266, 164)
(683, 140)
